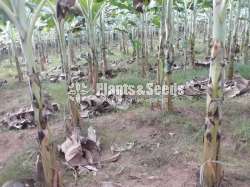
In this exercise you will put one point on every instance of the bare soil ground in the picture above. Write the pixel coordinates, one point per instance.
(167, 147)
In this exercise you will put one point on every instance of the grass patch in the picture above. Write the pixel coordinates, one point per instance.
(54, 60)
(17, 167)
(184, 102)
(244, 70)
(7, 71)
(57, 91)
(180, 77)
(129, 78)
(117, 55)
(243, 130)
(14, 84)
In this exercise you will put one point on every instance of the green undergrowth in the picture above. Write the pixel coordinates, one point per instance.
(18, 166)
(180, 77)
(129, 78)
(57, 91)
(7, 71)
(243, 130)
(117, 55)
(244, 70)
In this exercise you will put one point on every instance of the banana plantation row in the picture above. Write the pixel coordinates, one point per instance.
(163, 29)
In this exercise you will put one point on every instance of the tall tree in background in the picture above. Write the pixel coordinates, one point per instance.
(209, 15)
(213, 172)
(193, 32)
(185, 25)
(62, 8)
(169, 54)
(91, 10)
(103, 44)
(246, 42)
(229, 30)
(166, 51)
(234, 43)
(162, 44)
(143, 42)
(11, 33)
(141, 7)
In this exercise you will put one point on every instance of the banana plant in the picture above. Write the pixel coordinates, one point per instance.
(126, 23)
(58, 14)
(170, 54)
(141, 10)
(59, 11)
(162, 42)
(5, 38)
(11, 35)
(233, 48)
(166, 50)
(144, 7)
(246, 42)
(193, 32)
(15, 10)
(212, 169)
(91, 10)
(103, 44)
(185, 6)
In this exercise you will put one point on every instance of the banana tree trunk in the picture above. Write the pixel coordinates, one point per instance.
(234, 45)
(59, 47)
(47, 148)
(245, 49)
(205, 31)
(25, 29)
(246, 42)
(93, 49)
(229, 31)
(14, 52)
(146, 42)
(10, 54)
(193, 34)
(143, 43)
(170, 55)
(19, 71)
(73, 106)
(162, 44)
(71, 54)
(151, 40)
(123, 46)
(90, 69)
(62, 45)
(137, 49)
(213, 172)
(185, 36)
(41, 52)
(209, 38)
(132, 37)
(103, 48)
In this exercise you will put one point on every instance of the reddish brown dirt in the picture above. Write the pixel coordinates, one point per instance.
(12, 142)
(158, 158)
